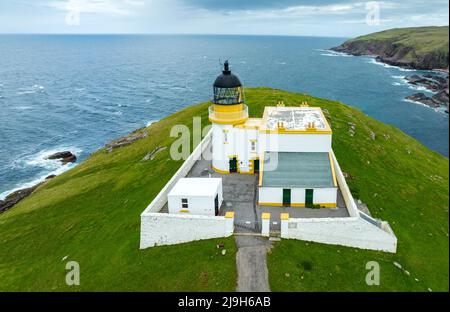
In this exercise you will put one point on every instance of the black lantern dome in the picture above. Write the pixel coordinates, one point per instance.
(228, 88)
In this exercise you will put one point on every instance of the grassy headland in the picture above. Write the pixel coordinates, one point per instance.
(416, 47)
(91, 214)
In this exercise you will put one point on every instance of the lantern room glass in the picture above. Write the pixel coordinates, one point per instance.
(228, 96)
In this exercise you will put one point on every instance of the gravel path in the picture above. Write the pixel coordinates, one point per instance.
(251, 264)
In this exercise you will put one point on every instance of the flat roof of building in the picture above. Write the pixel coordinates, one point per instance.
(294, 119)
(298, 170)
(195, 187)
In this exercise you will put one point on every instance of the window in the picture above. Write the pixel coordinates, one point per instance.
(184, 203)
(253, 146)
(225, 136)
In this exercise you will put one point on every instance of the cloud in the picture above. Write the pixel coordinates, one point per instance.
(274, 17)
(236, 5)
(125, 7)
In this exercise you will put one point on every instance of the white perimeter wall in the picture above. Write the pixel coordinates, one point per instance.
(161, 199)
(359, 230)
(351, 232)
(165, 229)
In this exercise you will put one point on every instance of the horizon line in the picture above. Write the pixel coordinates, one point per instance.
(165, 34)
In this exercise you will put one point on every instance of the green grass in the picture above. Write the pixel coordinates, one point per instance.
(410, 44)
(91, 213)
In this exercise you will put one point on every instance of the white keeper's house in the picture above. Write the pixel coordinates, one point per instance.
(290, 147)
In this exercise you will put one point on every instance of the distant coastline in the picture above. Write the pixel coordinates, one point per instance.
(421, 48)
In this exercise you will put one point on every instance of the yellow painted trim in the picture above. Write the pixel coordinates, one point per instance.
(228, 108)
(328, 205)
(333, 172)
(265, 216)
(227, 121)
(302, 205)
(248, 126)
(253, 140)
(270, 204)
(284, 216)
(261, 169)
(229, 214)
(184, 210)
(220, 171)
(288, 131)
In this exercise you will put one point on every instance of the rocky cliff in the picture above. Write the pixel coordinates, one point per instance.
(418, 48)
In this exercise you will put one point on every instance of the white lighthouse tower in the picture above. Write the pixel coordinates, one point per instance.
(228, 110)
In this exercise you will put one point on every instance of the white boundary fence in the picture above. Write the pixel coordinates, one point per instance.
(359, 230)
(167, 229)
(160, 200)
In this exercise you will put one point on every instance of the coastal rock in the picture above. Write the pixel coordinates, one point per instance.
(422, 98)
(65, 157)
(435, 83)
(431, 82)
(15, 197)
(127, 140)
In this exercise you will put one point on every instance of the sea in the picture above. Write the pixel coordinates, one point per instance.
(78, 92)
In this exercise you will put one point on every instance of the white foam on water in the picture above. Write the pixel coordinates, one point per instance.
(280, 63)
(334, 53)
(421, 104)
(60, 170)
(52, 166)
(23, 107)
(420, 88)
(148, 124)
(31, 90)
(374, 61)
(40, 159)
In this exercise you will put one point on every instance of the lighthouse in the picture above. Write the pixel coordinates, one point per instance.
(228, 110)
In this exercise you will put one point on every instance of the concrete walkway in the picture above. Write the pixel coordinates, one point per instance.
(251, 262)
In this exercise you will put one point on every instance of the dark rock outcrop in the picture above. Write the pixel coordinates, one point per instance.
(65, 157)
(127, 140)
(16, 197)
(435, 83)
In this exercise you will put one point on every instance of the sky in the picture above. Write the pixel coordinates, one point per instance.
(329, 18)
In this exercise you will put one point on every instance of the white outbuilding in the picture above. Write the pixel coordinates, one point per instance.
(198, 196)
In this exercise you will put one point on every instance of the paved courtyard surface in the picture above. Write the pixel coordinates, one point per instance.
(240, 193)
